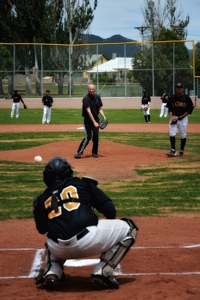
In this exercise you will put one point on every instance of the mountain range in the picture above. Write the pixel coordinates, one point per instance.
(108, 50)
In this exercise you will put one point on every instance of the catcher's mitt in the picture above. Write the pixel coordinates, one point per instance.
(25, 107)
(145, 108)
(103, 124)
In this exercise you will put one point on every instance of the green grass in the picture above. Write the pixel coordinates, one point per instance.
(159, 189)
(73, 116)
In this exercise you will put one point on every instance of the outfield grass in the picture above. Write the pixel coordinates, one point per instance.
(161, 189)
(73, 116)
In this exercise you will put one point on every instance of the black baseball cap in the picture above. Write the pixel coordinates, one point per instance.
(179, 85)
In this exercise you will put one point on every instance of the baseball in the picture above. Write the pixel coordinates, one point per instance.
(38, 159)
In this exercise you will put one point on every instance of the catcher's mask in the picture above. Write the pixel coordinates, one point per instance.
(55, 170)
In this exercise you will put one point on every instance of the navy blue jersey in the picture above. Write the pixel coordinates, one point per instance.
(76, 201)
(95, 103)
(180, 105)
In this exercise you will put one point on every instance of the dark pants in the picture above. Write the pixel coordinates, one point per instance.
(90, 132)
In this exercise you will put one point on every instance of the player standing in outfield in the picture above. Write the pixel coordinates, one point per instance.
(180, 106)
(15, 106)
(47, 101)
(145, 106)
(65, 212)
(164, 108)
(91, 108)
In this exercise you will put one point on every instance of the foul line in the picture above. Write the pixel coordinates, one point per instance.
(37, 262)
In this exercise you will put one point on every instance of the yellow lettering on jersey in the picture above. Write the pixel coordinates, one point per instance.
(66, 194)
(52, 214)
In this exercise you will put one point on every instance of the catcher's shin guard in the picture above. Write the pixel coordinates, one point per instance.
(124, 247)
(50, 262)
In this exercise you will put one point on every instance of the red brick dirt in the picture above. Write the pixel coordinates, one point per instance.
(163, 263)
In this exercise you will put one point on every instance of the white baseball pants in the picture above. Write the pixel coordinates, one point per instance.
(102, 239)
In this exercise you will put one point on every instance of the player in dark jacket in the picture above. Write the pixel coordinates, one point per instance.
(180, 106)
(47, 101)
(91, 108)
(65, 211)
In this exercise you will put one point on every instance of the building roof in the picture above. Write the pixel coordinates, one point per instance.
(113, 65)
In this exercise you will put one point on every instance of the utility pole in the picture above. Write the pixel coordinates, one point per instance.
(142, 30)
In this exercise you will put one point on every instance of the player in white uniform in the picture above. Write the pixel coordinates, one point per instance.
(180, 106)
(65, 211)
(164, 108)
(145, 106)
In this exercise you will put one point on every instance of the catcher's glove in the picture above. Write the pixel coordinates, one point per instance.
(103, 124)
(25, 107)
(145, 108)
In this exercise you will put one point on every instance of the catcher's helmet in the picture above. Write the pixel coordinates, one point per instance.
(56, 169)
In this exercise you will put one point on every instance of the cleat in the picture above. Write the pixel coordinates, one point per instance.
(51, 280)
(108, 282)
(181, 153)
(77, 155)
(94, 155)
(172, 153)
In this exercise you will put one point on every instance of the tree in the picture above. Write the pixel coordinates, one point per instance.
(197, 59)
(78, 18)
(21, 21)
(169, 16)
(163, 64)
(6, 63)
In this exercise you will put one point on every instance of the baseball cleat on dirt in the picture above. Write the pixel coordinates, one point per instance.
(50, 281)
(108, 282)
(77, 155)
(172, 153)
(181, 153)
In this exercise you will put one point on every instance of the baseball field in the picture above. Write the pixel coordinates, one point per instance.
(160, 193)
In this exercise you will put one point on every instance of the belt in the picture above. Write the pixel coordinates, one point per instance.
(78, 236)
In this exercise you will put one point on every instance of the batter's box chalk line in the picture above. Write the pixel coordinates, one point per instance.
(39, 253)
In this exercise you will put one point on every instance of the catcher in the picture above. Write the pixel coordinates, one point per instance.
(65, 212)
(91, 108)
(15, 106)
(145, 106)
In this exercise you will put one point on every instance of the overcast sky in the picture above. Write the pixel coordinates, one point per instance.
(121, 17)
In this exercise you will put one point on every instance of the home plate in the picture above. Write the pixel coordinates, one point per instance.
(80, 128)
(81, 262)
(89, 262)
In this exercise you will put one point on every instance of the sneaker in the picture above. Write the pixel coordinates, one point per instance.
(109, 281)
(172, 153)
(94, 155)
(77, 155)
(181, 153)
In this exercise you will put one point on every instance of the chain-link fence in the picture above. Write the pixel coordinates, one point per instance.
(117, 69)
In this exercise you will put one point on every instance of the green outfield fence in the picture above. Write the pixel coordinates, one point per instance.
(117, 69)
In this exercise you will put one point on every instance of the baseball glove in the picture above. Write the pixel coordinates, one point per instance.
(145, 108)
(25, 107)
(103, 124)
(173, 122)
